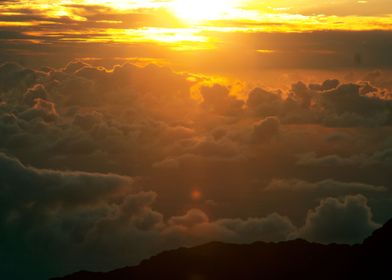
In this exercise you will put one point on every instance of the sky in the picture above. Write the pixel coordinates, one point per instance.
(33, 31)
(132, 127)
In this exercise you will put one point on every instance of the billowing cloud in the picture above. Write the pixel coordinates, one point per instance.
(217, 99)
(243, 149)
(341, 221)
(266, 129)
(329, 104)
(91, 220)
(132, 127)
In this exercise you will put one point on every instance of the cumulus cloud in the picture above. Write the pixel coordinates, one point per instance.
(191, 218)
(37, 91)
(143, 123)
(92, 217)
(100, 221)
(43, 109)
(272, 228)
(266, 129)
(264, 103)
(331, 104)
(15, 77)
(217, 99)
(345, 220)
(55, 210)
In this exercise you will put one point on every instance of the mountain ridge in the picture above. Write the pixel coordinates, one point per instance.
(261, 260)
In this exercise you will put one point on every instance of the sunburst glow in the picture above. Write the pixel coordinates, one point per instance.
(202, 10)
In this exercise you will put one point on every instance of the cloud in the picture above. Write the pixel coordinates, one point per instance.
(191, 218)
(31, 185)
(346, 220)
(378, 157)
(325, 186)
(72, 108)
(37, 91)
(371, 7)
(330, 104)
(223, 148)
(347, 98)
(311, 159)
(266, 129)
(41, 108)
(301, 94)
(383, 156)
(196, 228)
(217, 99)
(142, 122)
(78, 219)
(87, 219)
(100, 221)
(271, 228)
(13, 76)
(264, 103)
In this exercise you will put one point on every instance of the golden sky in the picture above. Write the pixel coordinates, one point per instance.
(185, 24)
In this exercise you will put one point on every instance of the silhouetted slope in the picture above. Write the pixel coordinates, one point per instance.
(296, 259)
(378, 251)
(381, 237)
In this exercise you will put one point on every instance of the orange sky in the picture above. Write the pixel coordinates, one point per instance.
(200, 35)
(181, 24)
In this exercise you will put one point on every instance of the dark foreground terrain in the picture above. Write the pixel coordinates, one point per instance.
(296, 259)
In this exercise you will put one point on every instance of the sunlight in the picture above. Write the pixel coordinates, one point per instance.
(125, 4)
(201, 10)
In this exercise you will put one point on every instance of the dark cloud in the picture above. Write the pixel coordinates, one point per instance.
(38, 91)
(264, 103)
(311, 159)
(244, 149)
(341, 221)
(329, 104)
(99, 221)
(266, 129)
(191, 218)
(15, 77)
(326, 186)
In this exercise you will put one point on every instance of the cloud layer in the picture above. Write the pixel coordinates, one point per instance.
(100, 167)
(77, 220)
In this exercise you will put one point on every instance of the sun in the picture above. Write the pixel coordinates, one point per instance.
(196, 194)
(194, 11)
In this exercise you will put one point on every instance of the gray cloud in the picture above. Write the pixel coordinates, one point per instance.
(79, 220)
(311, 159)
(345, 220)
(325, 186)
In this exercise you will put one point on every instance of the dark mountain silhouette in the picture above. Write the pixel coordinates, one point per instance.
(296, 259)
